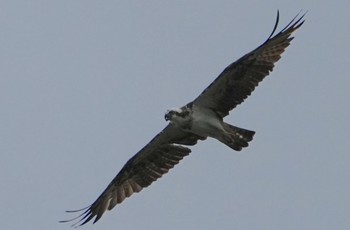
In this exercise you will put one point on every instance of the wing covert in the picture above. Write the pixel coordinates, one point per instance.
(240, 78)
(153, 161)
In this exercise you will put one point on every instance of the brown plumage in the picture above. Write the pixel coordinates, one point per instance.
(166, 149)
(240, 78)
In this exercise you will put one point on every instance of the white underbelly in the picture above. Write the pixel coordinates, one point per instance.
(206, 123)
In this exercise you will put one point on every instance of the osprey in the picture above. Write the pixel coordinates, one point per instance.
(195, 121)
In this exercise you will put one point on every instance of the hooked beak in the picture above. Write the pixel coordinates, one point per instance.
(167, 117)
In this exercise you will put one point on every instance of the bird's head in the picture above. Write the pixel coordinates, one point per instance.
(178, 115)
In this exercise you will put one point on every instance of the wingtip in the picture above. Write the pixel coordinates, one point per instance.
(294, 24)
(276, 24)
(78, 210)
(85, 216)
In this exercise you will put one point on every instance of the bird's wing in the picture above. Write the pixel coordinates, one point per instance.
(163, 152)
(240, 78)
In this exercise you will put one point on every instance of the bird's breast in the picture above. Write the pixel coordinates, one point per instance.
(206, 123)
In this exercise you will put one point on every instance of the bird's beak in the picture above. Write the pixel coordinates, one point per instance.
(166, 117)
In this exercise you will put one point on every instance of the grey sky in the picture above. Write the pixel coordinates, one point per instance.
(85, 84)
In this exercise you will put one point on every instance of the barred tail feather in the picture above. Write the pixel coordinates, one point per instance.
(236, 138)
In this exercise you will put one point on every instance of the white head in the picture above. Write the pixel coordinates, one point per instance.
(177, 115)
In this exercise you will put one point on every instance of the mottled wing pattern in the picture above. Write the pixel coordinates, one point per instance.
(240, 78)
(150, 163)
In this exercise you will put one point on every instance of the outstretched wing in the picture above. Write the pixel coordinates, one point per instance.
(150, 163)
(240, 78)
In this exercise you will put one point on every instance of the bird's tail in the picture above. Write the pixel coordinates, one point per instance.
(236, 138)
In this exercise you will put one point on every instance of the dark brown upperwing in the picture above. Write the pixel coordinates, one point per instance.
(163, 152)
(240, 78)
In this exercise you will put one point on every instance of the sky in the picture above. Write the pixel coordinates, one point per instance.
(85, 84)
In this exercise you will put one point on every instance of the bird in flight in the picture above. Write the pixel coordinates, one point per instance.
(195, 121)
